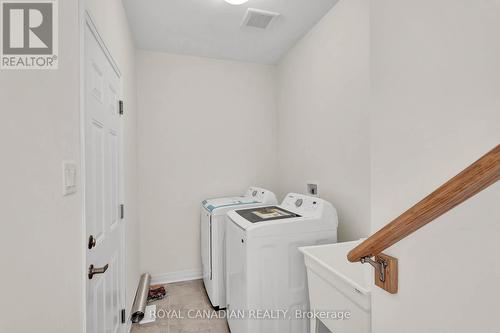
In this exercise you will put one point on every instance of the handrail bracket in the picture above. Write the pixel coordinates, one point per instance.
(380, 265)
(386, 271)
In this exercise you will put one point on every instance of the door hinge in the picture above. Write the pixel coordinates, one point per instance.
(120, 108)
(123, 316)
(122, 211)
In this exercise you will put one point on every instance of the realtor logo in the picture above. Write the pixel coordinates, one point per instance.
(29, 34)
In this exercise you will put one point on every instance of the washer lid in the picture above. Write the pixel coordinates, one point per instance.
(264, 214)
(212, 204)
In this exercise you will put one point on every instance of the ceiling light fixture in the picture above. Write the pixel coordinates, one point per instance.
(236, 2)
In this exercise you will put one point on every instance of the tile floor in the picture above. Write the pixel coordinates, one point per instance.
(181, 298)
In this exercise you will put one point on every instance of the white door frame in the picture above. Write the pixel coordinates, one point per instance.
(85, 20)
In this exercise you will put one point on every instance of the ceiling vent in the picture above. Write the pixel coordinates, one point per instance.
(257, 18)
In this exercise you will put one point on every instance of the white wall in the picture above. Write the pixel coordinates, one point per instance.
(40, 247)
(323, 127)
(112, 24)
(436, 83)
(207, 128)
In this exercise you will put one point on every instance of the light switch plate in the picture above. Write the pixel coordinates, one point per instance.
(69, 177)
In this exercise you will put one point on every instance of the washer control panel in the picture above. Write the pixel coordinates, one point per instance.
(260, 195)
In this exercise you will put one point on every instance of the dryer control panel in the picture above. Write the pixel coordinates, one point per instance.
(303, 204)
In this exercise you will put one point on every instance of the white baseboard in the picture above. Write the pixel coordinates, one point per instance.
(187, 275)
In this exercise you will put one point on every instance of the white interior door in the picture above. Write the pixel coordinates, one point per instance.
(105, 290)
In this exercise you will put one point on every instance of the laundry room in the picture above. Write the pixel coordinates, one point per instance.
(211, 128)
(249, 166)
(230, 123)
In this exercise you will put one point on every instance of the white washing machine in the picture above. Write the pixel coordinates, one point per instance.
(213, 227)
(265, 269)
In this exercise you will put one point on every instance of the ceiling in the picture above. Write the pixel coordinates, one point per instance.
(212, 28)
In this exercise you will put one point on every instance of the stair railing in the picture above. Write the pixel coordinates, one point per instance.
(478, 176)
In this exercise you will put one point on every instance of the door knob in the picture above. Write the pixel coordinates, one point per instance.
(93, 270)
(92, 242)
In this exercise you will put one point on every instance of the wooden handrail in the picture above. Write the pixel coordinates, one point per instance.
(481, 174)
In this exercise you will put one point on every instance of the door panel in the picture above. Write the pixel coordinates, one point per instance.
(105, 291)
(114, 205)
(95, 176)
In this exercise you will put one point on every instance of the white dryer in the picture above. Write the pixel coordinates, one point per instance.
(213, 227)
(266, 271)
